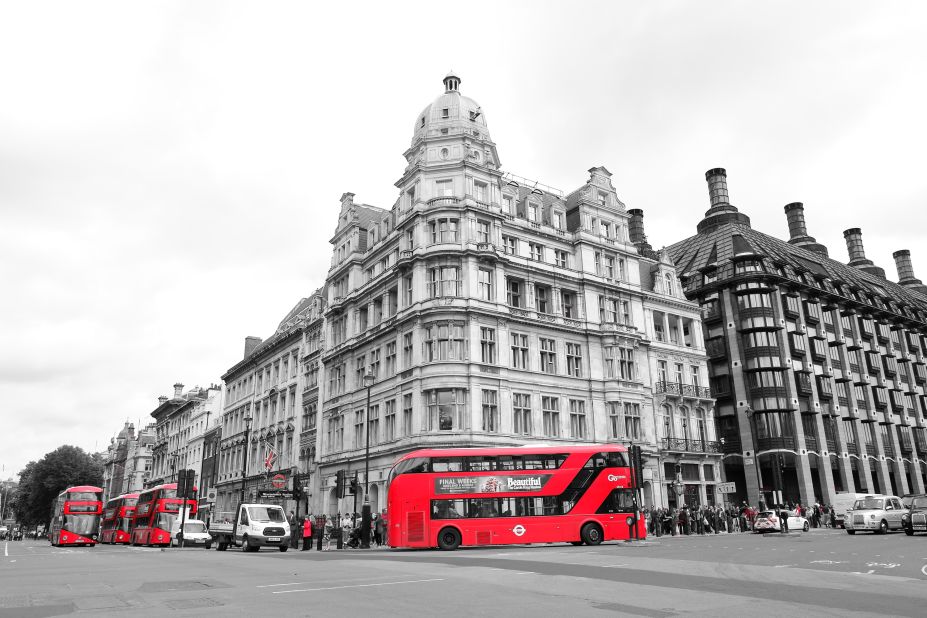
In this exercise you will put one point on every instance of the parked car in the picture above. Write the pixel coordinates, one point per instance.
(769, 521)
(194, 533)
(877, 514)
(915, 520)
(843, 502)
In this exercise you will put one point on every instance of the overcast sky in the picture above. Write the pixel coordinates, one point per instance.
(170, 172)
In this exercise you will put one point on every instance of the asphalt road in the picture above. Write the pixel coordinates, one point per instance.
(820, 573)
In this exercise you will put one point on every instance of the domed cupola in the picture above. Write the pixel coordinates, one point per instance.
(451, 114)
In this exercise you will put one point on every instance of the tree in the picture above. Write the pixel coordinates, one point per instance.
(40, 482)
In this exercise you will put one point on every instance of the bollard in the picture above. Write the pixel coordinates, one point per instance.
(337, 531)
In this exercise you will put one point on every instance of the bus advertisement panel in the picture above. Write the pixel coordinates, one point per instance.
(155, 513)
(75, 516)
(117, 519)
(495, 496)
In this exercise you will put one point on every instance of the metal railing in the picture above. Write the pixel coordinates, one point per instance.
(691, 446)
(682, 390)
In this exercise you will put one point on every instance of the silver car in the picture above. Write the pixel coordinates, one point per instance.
(877, 514)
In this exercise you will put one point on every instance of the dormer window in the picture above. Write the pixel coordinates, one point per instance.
(444, 113)
(602, 198)
(423, 121)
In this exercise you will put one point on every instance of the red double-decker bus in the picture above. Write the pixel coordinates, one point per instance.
(117, 519)
(155, 513)
(494, 496)
(75, 516)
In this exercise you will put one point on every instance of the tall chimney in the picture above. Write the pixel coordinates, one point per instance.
(854, 238)
(178, 390)
(906, 272)
(250, 344)
(636, 230)
(798, 231)
(161, 400)
(721, 211)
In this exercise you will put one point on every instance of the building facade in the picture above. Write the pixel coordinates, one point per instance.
(818, 367)
(179, 425)
(127, 462)
(485, 309)
(260, 435)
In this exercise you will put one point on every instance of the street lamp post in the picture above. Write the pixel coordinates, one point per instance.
(244, 460)
(365, 510)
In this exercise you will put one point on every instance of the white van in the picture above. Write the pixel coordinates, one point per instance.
(843, 503)
(194, 534)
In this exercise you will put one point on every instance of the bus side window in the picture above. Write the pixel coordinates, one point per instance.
(448, 464)
(534, 462)
(616, 460)
(618, 501)
(505, 462)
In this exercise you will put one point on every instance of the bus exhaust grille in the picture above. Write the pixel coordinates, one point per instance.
(415, 525)
(484, 537)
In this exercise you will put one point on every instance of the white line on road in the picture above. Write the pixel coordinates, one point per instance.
(6, 549)
(613, 566)
(276, 585)
(411, 581)
(924, 569)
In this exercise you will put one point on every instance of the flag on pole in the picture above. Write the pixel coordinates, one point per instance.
(271, 457)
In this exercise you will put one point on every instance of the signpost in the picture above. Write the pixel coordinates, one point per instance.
(727, 488)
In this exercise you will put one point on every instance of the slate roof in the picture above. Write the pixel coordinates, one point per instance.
(720, 245)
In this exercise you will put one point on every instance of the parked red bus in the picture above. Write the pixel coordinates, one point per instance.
(75, 516)
(155, 513)
(494, 496)
(117, 519)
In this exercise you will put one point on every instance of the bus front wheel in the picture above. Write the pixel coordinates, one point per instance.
(591, 534)
(449, 539)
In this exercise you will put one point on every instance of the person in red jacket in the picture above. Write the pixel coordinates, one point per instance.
(307, 533)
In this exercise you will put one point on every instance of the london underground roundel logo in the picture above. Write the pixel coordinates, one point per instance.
(518, 530)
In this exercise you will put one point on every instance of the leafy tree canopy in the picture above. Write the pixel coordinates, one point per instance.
(41, 481)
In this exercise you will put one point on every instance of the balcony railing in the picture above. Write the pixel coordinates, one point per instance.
(871, 450)
(731, 444)
(691, 446)
(811, 443)
(765, 444)
(682, 390)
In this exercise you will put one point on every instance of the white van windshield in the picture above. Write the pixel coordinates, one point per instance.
(266, 513)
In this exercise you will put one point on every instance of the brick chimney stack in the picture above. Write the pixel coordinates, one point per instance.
(798, 231)
(906, 272)
(161, 400)
(250, 344)
(178, 390)
(721, 211)
(854, 238)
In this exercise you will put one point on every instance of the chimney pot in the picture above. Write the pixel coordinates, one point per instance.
(161, 400)
(717, 186)
(905, 269)
(178, 390)
(795, 213)
(854, 238)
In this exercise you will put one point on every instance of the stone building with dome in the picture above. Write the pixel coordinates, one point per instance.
(487, 309)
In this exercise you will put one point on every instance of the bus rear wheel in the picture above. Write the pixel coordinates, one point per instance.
(591, 534)
(449, 539)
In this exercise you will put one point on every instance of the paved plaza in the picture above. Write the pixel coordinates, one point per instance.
(823, 572)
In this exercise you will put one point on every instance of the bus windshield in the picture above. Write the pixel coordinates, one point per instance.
(84, 525)
(82, 495)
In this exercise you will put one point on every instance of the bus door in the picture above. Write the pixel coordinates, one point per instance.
(616, 511)
(414, 528)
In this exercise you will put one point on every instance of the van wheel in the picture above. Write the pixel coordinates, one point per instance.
(284, 547)
(449, 539)
(883, 527)
(851, 531)
(591, 534)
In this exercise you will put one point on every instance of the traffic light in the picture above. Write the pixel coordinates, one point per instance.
(297, 492)
(354, 485)
(339, 483)
(637, 465)
(186, 480)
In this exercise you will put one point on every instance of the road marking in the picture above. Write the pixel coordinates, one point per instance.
(411, 581)
(883, 565)
(6, 550)
(924, 569)
(276, 585)
(613, 566)
(825, 562)
(532, 573)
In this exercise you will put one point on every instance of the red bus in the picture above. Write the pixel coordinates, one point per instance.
(494, 496)
(117, 519)
(155, 513)
(75, 516)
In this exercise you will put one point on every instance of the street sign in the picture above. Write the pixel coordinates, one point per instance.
(211, 494)
(272, 494)
(279, 481)
(727, 488)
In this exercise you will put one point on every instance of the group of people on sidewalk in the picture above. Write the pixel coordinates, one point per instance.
(695, 519)
(344, 530)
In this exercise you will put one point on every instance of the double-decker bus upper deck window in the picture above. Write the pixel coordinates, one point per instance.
(606, 460)
(508, 462)
(415, 465)
(481, 464)
(168, 494)
(447, 464)
(543, 462)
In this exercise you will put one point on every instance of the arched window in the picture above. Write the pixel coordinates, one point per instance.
(669, 429)
(668, 284)
(684, 429)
